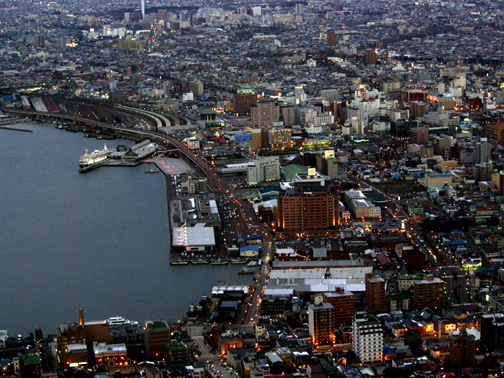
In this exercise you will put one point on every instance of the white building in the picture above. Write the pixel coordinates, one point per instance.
(264, 169)
(187, 97)
(367, 337)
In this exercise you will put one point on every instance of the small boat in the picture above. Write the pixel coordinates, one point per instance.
(152, 171)
(238, 261)
(219, 262)
(179, 262)
(252, 263)
(200, 261)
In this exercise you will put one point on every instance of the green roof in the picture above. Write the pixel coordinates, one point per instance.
(159, 325)
(31, 359)
(291, 170)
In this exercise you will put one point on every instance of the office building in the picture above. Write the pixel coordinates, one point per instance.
(367, 337)
(157, 334)
(279, 139)
(375, 293)
(299, 8)
(307, 207)
(495, 130)
(264, 113)
(482, 151)
(419, 135)
(343, 305)
(264, 169)
(462, 349)
(429, 293)
(321, 322)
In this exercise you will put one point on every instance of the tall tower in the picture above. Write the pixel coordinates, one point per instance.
(143, 9)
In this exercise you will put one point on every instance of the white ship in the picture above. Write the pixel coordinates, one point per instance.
(94, 157)
(118, 321)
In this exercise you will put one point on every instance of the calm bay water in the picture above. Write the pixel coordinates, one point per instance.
(98, 240)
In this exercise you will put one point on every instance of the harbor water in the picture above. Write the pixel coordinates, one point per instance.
(98, 241)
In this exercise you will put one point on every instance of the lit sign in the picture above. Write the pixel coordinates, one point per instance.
(311, 171)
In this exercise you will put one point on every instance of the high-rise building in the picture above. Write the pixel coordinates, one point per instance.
(39, 40)
(495, 130)
(196, 87)
(375, 293)
(262, 169)
(429, 293)
(344, 306)
(419, 135)
(264, 113)
(321, 322)
(243, 102)
(417, 109)
(462, 349)
(367, 338)
(328, 166)
(441, 144)
(482, 151)
(482, 172)
(299, 8)
(287, 115)
(331, 38)
(260, 138)
(157, 334)
(501, 183)
(371, 56)
(492, 330)
(307, 207)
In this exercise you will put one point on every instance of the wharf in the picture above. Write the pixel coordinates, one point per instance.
(10, 121)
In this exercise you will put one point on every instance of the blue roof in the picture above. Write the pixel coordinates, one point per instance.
(249, 248)
(243, 136)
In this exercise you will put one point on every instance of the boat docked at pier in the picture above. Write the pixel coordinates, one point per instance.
(95, 157)
(179, 262)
